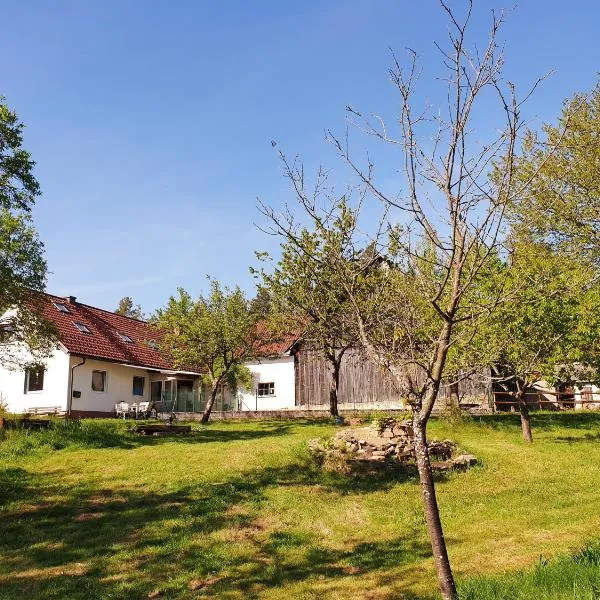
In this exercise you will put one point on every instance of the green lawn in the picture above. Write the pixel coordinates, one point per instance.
(235, 512)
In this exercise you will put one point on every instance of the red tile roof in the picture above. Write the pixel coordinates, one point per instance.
(271, 343)
(104, 342)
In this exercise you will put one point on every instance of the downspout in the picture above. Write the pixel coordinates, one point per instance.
(70, 399)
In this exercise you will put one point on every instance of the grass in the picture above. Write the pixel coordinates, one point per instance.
(235, 511)
(575, 576)
(89, 433)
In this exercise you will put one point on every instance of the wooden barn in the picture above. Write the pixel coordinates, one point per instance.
(298, 378)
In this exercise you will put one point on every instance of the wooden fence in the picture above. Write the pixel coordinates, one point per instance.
(546, 399)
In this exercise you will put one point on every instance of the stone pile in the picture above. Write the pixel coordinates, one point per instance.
(389, 440)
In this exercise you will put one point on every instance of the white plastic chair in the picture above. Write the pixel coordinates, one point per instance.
(122, 409)
(143, 410)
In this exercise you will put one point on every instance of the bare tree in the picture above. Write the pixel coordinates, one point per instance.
(445, 238)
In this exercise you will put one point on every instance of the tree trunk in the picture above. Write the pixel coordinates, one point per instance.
(209, 405)
(525, 420)
(432, 513)
(333, 389)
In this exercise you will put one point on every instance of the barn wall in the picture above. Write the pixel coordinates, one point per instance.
(365, 384)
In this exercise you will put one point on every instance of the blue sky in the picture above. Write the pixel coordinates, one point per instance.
(151, 122)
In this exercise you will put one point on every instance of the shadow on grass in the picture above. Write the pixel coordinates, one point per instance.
(59, 540)
(212, 432)
(587, 437)
(543, 420)
(14, 485)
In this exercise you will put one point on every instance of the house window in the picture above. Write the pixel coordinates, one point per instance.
(138, 386)
(125, 337)
(34, 379)
(6, 331)
(62, 307)
(156, 391)
(266, 389)
(99, 381)
(83, 328)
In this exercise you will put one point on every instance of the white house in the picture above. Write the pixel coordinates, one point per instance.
(101, 359)
(274, 384)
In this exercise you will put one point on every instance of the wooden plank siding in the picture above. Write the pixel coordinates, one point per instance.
(362, 382)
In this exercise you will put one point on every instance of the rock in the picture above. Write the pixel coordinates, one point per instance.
(445, 465)
(404, 455)
(464, 460)
(391, 440)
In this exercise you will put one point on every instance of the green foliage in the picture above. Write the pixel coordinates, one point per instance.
(214, 334)
(18, 186)
(128, 309)
(559, 171)
(544, 326)
(452, 413)
(22, 264)
(240, 377)
(262, 303)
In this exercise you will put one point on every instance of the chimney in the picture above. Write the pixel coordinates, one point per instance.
(71, 299)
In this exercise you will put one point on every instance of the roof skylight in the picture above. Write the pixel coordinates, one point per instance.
(125, 337)
(61, 307)
(81, 327)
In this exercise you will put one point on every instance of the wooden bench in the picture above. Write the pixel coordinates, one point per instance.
(24, 423)
(160, 429)
(46, 410)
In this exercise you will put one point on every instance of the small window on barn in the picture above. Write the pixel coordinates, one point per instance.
(83, 328)
(99, 381)
(152, 344)
(125, 337)
(138, 386)
(62, 307)
(34, 379)
(266, 389)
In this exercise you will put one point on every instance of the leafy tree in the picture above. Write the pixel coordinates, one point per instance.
(307, 296)
(562, 203)
(262, 303)
(128, 309)
(545, 329)
(215, 334)
(22, 264)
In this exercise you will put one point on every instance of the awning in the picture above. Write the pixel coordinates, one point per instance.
(162, 371)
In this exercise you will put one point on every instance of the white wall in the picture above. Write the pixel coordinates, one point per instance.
(119, 385)
(53, 394)
(280, 371)
(579, 396)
